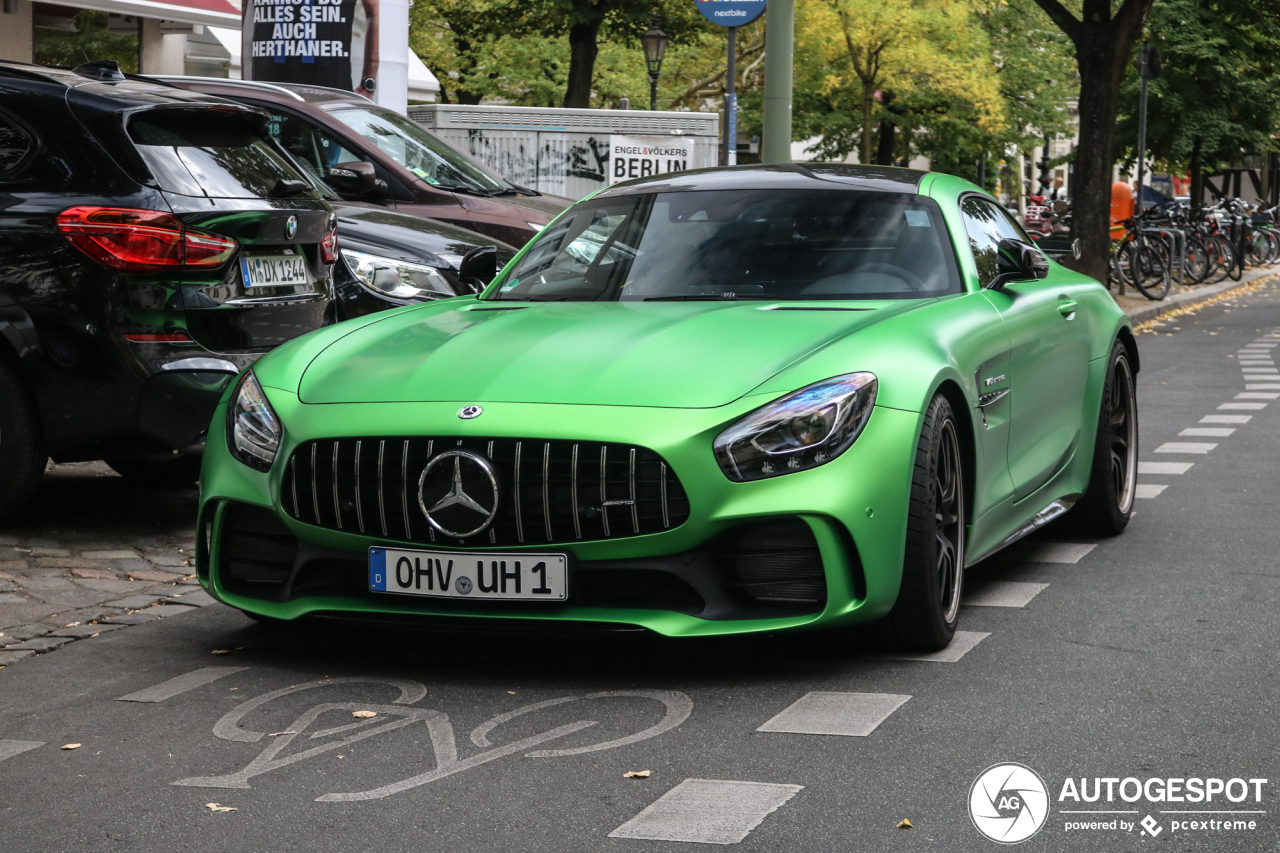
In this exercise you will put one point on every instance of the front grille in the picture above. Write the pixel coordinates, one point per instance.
(256, 548)
(548, 491)
(780, 562)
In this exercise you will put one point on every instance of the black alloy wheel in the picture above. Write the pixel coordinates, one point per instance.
(1108, 502)
(928, 607)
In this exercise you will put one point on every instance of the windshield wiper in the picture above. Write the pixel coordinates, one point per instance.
(285, 188)
(727, 296)
(529, 299)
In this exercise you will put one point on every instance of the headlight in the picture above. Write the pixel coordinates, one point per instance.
(800, 431)
(397, 279)
(253, 430)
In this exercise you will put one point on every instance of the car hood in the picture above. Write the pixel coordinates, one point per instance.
(410, 238)
(669, 355)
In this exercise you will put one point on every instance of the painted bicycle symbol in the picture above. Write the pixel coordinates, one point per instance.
(401, 713)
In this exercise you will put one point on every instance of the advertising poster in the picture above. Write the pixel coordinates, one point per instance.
(642, 156)
(331, 43)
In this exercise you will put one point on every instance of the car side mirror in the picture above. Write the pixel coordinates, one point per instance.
(356, 178)
(1018, 261)
(478, 267)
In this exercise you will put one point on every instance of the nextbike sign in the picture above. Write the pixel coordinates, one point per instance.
(643, 156)
(730, 13)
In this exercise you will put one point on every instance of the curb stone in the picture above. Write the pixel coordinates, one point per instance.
(1143, 313)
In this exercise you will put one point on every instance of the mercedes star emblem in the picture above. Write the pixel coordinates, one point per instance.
(291, 227)
(469, 412)
(444, 498)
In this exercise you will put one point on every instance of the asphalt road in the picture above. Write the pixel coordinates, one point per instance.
(1151, 656)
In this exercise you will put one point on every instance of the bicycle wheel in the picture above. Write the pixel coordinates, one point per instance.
(1224, 256)
(1199, 261)
(1153, 279)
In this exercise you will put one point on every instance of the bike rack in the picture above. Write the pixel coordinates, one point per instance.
(1179, 259)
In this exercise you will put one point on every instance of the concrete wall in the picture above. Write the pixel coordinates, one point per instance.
(162, 54)
(15, 31)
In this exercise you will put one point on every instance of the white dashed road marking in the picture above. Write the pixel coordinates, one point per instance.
(707, 811)
(1207, 432)
(1149, 490)
(10, 748)
(1052, 552)
(1242, 407)
(1262, 387)
(1255, 395)
(826, 713)
(1226, 419)
(1187, 446)
(181, 684)
(962, 643)
(1002, 594)
(1164, 467)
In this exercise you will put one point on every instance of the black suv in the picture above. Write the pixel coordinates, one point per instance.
(153, 243)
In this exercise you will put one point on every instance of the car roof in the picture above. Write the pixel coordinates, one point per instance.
(126, 91)
(273, 91)
(778, 176)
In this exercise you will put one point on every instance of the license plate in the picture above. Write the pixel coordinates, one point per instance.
(274, 271)
(449, 574)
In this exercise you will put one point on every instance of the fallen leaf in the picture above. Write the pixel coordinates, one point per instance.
(219, 652)
(71, 746)
(364, 715)
(71, 624)
(636, 774)
(214, 807)
(906, 824)
(277, 734)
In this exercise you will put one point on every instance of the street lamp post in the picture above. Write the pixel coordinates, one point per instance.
(655, 47)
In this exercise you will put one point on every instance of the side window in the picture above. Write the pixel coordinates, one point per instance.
(315, 149)
(15, 146)
(986, 225)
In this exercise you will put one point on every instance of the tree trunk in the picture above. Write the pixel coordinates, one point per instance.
(1197, 178)
(582, 57)
(1091, 195)
(888, 130)
(868, 106)
(1104, 43)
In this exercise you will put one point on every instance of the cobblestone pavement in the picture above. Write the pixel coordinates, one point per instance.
(92, 554)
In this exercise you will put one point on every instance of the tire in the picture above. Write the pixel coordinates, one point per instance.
(167, 473)
(22, 454)
(1108, 502)
(1154, 281)
(928, 607)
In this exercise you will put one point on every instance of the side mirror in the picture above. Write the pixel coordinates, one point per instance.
(478, 267)
(1018, 261)
(356, 178)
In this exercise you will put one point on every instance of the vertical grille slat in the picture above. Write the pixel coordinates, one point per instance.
(382, 510)
(519, 520)
(558, 501)
(315, 492)
(359, 508)
(604, 490)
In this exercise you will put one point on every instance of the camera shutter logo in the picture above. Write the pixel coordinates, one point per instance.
(1008, 803)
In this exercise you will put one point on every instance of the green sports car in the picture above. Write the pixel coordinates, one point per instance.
(719, 401)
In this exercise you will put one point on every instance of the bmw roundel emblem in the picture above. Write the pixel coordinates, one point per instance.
(469, 412)
(291, 228)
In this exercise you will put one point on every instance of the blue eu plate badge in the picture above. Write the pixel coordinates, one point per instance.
(378, 569)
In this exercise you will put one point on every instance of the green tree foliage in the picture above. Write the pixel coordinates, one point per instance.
(1218, 96)
(91, 41)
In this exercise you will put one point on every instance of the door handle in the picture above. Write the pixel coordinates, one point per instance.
(1067, 306)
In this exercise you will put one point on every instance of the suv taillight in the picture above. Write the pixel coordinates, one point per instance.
(141, 241)
(329, 247)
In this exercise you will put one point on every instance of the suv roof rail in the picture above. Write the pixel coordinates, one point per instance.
(227, 81)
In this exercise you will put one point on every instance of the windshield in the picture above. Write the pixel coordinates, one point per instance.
(410, 145)
(740, 244)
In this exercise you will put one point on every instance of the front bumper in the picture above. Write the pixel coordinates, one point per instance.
(854, 509)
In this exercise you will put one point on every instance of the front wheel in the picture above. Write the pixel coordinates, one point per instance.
(1108, 502)
(928, 607)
